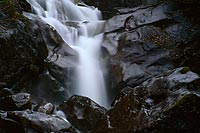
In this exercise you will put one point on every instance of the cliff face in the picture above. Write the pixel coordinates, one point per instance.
(153, 54)
(21, 45)
(146, 44)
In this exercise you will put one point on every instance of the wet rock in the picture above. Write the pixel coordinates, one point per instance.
(5, 92)
(39, 122)
(56, 80)
(178, 77)
(138, 61)
(68, 130)
(189, 54)
(8, 125)
(47, 108)
(21, 45)
(103, 4)
(112, 7)
(139, 17)
(3, 85)
(150, 39)
(53, 40)
(20, 101)
(47, 88)
(189, 8)
(24, 5)
(82, 112)
(184, 115)
(168, 102)
(127, 114)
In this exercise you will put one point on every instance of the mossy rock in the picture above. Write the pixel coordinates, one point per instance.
(21, 45)
(185, 70)
(8, 6)
(186, 100)
(183, 115)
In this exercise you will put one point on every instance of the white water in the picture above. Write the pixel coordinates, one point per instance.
(80, 28)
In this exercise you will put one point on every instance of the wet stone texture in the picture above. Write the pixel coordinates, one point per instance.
(20, 101)
(39, 121)
(148, 40)
(169, 102)
(21, 45)
(82, 112)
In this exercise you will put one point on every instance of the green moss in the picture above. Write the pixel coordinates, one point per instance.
(34, 68)
(17, 15)
(11, 9)
(7, 6)
(184, 70)
(184, 100)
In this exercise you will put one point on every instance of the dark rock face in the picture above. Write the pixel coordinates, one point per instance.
(109, 7)
(183, 115)
(150, 39)
(25, 61)
(47, 88)
(169, 102)
(21, 45)
(39, 121)
(82, 112)
(5, 92)
(19, 49)
(103, 4)
(8, 125)
(52, 83)
(19, 101)
(127, 114)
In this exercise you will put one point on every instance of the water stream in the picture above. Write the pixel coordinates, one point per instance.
(80, 26)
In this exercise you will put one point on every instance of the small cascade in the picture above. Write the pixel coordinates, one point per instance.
(81, 28)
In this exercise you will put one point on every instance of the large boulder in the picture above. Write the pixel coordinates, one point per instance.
(39, 122)
(47, 88)
(82, 112)
(169, 102)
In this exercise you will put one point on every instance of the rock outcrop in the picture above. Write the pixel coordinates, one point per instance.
(82, 112)
(22, 48)
(169, 102)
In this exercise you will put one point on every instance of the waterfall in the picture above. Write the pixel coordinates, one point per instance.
(81, 28)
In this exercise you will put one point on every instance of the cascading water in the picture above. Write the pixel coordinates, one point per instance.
(80, 27)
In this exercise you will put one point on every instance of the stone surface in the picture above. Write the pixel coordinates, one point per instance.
(54, 83)
(21, 45)
(183, 115)
(8, 125)
(20, 101)
(5, 92)
(39, 122)
(47, 88)
(47, 108)
(169, 102)
(148, 40)
(82, 112)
